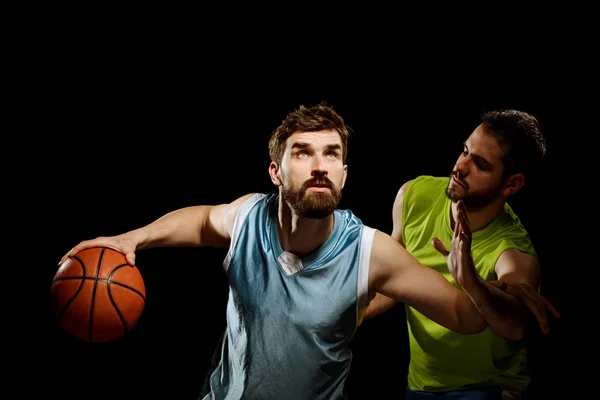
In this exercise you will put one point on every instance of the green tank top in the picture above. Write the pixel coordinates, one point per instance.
(441, 359)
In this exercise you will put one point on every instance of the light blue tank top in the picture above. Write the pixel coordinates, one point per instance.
(290, 319)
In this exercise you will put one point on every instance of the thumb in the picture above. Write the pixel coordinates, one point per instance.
(439, 246)
(130, 257)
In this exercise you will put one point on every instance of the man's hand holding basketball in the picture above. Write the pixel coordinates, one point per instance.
(125, 244)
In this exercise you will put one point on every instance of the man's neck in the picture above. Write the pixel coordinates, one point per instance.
(301, 236)
(481, 217)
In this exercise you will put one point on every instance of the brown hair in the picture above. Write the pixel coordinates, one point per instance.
(521, 136)
(319, 117)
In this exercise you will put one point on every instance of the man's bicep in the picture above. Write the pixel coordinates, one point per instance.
(398, 275)
(395, 273)
(515, 266)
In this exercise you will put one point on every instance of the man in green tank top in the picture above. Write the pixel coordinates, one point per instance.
(505, 148)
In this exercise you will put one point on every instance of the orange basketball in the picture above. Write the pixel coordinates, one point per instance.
(96, 296)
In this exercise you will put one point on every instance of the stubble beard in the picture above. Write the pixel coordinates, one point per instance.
(473, 199)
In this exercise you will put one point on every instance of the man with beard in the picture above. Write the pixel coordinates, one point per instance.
(505, 148)
(300, 271)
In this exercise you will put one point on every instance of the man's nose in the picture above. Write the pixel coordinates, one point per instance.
(320, 168)
(462, 168)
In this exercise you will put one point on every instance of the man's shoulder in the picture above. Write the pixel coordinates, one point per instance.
(346, 215)
(431, 179)
(427, 182)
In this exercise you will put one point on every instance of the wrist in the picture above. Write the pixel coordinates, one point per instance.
(470, 284)
(138, 238)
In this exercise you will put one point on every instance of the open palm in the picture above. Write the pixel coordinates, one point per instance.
(459, 258)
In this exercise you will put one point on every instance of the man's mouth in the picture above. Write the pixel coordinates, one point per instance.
(457, 181)
(320, 185)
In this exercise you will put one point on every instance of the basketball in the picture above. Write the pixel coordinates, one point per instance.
(97, 296)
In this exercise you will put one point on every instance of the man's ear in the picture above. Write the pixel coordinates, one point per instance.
(274, 173)
(513, 184)
(345, 176)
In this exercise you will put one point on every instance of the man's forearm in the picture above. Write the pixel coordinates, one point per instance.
(378, 305)
(178, 228)
(501, 311)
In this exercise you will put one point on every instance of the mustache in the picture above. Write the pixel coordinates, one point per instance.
(321, 181)
(454, 174)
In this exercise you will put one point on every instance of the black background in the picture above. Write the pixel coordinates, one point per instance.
(133, 131)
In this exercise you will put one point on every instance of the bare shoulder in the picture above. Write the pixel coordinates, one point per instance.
(231, 209)
(386, 255)
(516, 257)
(516, 266)
(393, 272)
(402, 191)
(382, 242)
(397, 212)
(242, 199)
(222, 216)
(405, 186)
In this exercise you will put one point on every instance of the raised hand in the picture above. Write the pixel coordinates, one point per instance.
(461, 267)
(121, 243)
(459, 260)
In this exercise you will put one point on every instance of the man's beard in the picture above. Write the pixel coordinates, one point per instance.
(314, 205)
(473, 199)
